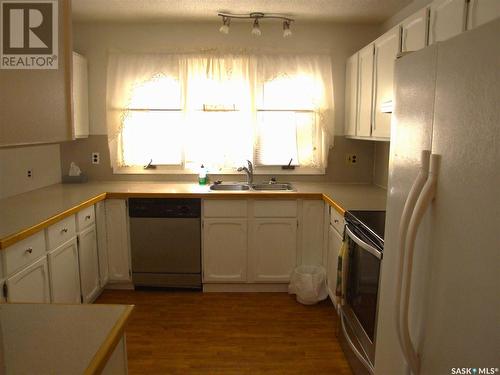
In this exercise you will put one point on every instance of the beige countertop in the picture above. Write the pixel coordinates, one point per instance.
(59, 339)
(27, 213)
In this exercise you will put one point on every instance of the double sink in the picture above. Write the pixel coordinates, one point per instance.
(259, 187)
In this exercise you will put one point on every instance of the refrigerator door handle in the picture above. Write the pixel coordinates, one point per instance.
(423, 202)
(409, 206)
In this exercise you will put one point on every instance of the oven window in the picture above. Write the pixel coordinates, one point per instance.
(362, 286)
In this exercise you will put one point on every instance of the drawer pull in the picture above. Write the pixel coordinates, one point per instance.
(29, 250)
(87, 217)
(64, 230)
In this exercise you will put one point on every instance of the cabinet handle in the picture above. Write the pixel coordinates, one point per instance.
(336, 221)
(87, 217)
(64, 230)
(29, 250)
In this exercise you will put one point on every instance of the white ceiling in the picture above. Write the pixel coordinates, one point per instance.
(366, 11)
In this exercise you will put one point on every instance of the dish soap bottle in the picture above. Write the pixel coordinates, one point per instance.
(202, 177)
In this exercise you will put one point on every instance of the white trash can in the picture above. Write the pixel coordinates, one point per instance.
(308, 283)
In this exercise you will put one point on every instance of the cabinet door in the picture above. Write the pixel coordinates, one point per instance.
(118, 240)
(31, 284)
(414, 31)
(386, 51)
(89, 264)
(64, 273)
(312, 232)
(351, 95)
(102, 243)
(482, 11)
(80, 97)
(365, 96)
(273, 249)
(447, 19)
(334, 245)
(225, 250)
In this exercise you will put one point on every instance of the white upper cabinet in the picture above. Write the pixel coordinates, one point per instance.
(365, 92)
(351, 95)
(482, 11)
(64, 273)
(80, 96)
(386, 51)
(31, 284)
(118, 240)
(225, 250)
(273, 249)
(414, 31)
(447, 19)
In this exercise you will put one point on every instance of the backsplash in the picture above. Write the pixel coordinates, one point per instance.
(43, 162)
(381, 164)
(338, 170)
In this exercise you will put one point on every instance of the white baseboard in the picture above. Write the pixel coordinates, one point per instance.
(245, 288)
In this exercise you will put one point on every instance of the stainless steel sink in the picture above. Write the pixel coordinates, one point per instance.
(229, 187)
(273, 187)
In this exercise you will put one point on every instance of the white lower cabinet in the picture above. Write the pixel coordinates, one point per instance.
(64, 273)
(225, 250)
(273, 249)
(89, 264)
(102, 245)
(118, 242)
(334, 245)
(31, 284)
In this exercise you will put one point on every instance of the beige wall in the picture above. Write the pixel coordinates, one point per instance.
(338, 170)
(44, 161)
(381, 164)
(94, 40)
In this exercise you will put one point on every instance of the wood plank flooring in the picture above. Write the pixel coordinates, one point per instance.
(229, 333)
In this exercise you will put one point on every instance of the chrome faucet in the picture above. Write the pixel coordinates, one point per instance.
(249, 171)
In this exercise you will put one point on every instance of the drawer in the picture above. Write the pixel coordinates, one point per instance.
(337, 220)
(273, 208)
(60, 232)
(225, 208)
(23, 253)
(85, 218)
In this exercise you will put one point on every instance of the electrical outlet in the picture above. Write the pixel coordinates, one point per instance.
(29, 173)
(351, 159)
(96, 158)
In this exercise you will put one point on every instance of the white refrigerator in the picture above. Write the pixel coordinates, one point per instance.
(447, 319)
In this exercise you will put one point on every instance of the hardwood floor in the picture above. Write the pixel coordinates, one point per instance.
(229, 333)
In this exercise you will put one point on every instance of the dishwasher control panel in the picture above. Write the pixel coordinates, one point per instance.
(165, 207)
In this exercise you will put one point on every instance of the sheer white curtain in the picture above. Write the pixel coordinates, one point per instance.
(136, 85)
(219, 109)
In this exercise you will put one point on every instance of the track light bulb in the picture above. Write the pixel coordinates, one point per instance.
(286, 29)
(224, 29)
(256, 28)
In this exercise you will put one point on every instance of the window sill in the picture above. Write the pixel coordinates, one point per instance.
(161, 170)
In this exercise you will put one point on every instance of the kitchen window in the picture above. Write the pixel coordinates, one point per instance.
(176, 112)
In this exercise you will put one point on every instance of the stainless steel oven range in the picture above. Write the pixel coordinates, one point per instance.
(364, 232)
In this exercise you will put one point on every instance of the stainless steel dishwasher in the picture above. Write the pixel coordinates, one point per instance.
(165, 236)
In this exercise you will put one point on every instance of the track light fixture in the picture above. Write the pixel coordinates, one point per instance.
(226, 21)
(256, 16)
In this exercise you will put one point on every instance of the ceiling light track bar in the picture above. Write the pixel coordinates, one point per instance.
(256, 15)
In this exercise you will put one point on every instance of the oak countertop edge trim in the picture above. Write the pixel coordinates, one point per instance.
(25, 233)
(106, 349)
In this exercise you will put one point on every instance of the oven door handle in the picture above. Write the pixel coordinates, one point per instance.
(365, 246)
(358, 354)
